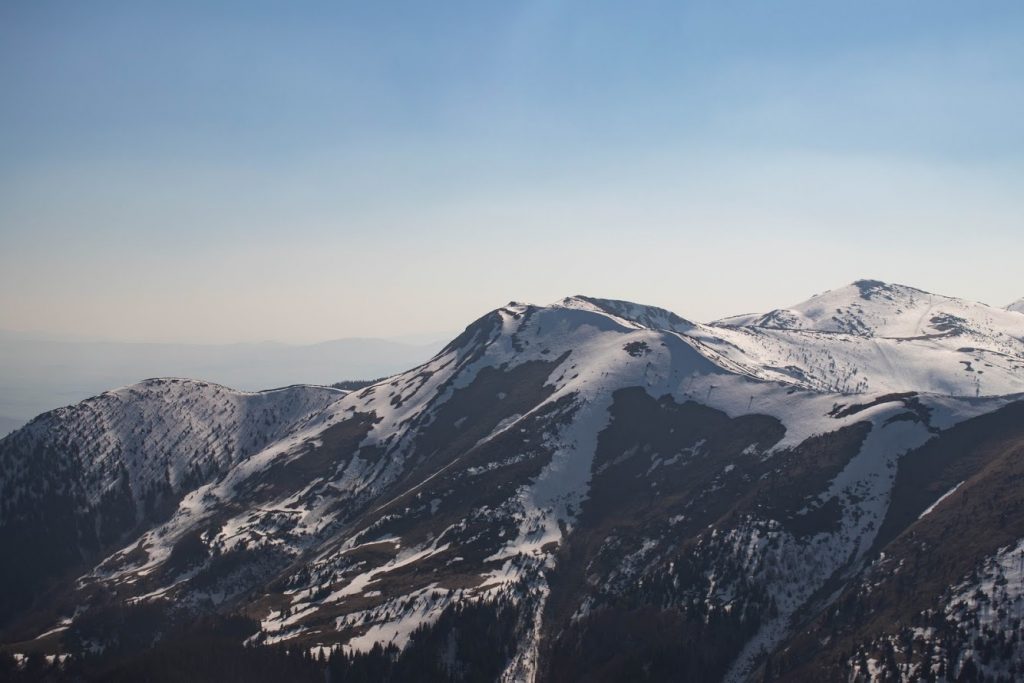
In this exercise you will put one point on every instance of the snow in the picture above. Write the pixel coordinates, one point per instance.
(990, 601)
(941, 498)
(359, 583)
(875, 308)
(1000, 573)
(876, 337)
(50, 632)
(601, 366)
(867, 478)
(398, 630)
(159, 430)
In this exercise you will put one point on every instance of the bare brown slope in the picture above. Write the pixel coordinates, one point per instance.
(680, 477)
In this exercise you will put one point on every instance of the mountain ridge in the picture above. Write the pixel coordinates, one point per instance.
(561, 469)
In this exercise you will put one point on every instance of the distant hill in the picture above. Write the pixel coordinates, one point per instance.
(39, 375)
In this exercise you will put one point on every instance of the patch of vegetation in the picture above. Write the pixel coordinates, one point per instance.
(357, 384)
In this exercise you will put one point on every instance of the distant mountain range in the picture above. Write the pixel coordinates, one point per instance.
(593, 490)
(37, 375)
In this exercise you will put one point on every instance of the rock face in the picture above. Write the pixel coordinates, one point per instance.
(592, 490)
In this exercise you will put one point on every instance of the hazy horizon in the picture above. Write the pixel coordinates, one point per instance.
(38, 375)
(250, 172)
(420, 339)
(413, 339)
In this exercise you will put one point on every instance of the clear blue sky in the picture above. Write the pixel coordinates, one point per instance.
(302, 171)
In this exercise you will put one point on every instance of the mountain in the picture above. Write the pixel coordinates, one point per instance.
(82, 479)
(872, 336)
(591, 490)
(1017, 306)
(37, 375)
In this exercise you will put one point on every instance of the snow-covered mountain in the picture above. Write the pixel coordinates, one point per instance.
(872, 336)
(557, 480)
(78, 480)
(1017, 306)
(161, 434)
(876, 309)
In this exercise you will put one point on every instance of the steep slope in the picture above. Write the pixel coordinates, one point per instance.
(943, 595)
(78, 480)
(593, 490)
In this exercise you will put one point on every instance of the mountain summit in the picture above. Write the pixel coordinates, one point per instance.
(873, 308)
(873, 336)
(591, 490)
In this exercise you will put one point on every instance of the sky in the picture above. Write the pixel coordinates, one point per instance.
(250, 171)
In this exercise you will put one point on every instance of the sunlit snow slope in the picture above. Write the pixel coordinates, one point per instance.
(873, 336)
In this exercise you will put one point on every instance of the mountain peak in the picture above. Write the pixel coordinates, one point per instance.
(1017, 306)
(870, 308)
(869, 289)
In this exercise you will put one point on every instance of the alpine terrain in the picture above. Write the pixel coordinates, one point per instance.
(593, 490)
